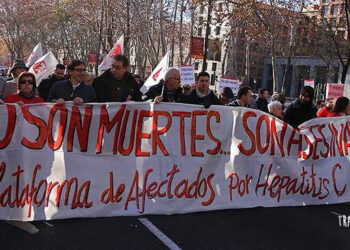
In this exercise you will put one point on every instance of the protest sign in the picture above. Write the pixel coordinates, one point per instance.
(309, 82)
(197, 45)
(132, 159)
(187, 74)
(334, 90)
(229, 82)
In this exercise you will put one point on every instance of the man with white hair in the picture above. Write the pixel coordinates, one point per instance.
(167, 90)
(275, 109)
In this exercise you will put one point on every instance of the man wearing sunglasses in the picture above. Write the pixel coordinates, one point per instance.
(117, 84)
(73, 89)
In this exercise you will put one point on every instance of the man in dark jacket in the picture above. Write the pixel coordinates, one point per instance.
(47, 83)
(117, 84)
(262, 102)
(302, 109)
(244, 97)
(202, 95)
(168, 90)
(73, 89)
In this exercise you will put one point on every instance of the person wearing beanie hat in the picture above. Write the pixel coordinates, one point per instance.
(26, 87)
(17, 68)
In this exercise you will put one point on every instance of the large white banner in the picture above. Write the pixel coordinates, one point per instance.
(35, 55)
(44, 67)
(108, 60)
(115, 159)
(157, 74)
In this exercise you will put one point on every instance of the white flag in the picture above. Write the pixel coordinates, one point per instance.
(117, 49)
(43, 67)
(157, 74)
(35, 55)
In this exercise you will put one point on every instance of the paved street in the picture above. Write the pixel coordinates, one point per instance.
(258, 228)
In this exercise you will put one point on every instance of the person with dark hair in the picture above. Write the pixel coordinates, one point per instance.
(226, 96)
(323, 112)
(138, 80)
(244, 97)
(262, 101)
(73, 89)
(281, 97)
(18, 67)
(26, 87)
(302, 109)
(186, 89)
(320, 104)
(167, 90)
(117, 84)
(341, 107)
(202, 95)
(47, 83)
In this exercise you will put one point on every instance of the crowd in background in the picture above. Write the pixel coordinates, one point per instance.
(117, 84)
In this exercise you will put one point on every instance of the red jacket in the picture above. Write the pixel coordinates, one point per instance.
(332, 114)
(323, 112)
(14, 98)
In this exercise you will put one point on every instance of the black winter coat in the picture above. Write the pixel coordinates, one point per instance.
(156, 90)
(210, 99)
(298, 113)
(261, 104)
(109, 89)
(64, 89)
(46, 85)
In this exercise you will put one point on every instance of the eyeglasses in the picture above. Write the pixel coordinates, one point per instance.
(80, 70)
(23, 81)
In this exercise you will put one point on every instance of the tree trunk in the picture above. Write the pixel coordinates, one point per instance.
(344, 72)
(274, 66)
(180, 36)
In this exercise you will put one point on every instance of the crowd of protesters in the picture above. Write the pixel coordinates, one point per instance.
(117, 84)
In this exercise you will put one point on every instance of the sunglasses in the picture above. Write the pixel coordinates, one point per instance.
(23, 81)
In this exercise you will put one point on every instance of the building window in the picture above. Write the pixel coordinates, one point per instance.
(334, 22)
(199, 31)
(217, 30)
(212, 82)
(196, 66)
(200, 20)
(213, 67)
(325, 11)
(335, 10)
